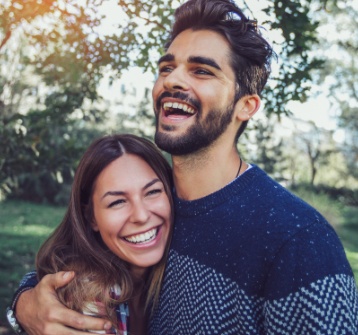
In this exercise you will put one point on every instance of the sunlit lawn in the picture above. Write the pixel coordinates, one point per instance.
(24, 226)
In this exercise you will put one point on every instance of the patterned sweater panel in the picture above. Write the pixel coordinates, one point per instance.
(254, 259)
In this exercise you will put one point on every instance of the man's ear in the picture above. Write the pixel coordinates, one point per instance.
(247, 106)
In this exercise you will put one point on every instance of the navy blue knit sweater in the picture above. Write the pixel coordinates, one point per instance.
(254, 259)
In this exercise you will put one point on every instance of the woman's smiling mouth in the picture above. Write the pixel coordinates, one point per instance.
(143, 237)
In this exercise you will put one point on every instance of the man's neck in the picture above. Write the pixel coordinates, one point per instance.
(203, 173)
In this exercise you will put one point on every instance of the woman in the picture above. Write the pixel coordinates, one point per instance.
(116, 232)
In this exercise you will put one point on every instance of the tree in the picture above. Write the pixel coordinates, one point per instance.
(317, 151)
(69, 53)
(293, 19)
(340, 73)
(264, 147)
(72, 36)
(42, 147)
(310, 151)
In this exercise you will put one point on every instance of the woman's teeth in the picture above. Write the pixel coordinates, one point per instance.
(141, 238)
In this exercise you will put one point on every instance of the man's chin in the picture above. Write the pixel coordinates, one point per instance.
(164, 141)
(168, 144)
(181, 146)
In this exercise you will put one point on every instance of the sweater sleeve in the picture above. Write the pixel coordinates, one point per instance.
(27, 282)
(310, 288)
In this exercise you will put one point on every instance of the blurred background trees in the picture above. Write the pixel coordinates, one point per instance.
(57, 55)
(341, 74)
(64, 68)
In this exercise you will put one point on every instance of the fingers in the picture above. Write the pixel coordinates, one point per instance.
(63, 321)
(79, 321)
(58, 279)
(41, 313)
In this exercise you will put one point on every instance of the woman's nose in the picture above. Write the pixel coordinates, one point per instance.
(140, 212)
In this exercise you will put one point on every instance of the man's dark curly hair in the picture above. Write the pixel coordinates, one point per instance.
(251, 54)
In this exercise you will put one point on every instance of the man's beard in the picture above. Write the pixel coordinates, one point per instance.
(198, 136)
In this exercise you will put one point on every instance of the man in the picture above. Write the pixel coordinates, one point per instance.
(247, 256)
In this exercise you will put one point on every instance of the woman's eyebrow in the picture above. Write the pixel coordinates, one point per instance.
(112, 193)
(151, 183)
(118, 193)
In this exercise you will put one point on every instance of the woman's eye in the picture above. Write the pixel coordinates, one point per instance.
(155, 191)
(116, 202)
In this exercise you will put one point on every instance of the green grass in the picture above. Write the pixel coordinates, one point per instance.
(24, 226)
(348, 232)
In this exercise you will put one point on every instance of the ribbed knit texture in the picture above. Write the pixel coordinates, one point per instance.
(254, 259)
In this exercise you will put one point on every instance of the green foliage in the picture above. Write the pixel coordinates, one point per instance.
(45, 140)
(73, 38)
(43, 148)
(346, 196)
(146, 126)
(144, 43)
(60, 44)
(299, 30)
(268, 153)
(339, 75)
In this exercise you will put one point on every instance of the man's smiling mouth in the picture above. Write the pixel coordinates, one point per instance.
(177, 108)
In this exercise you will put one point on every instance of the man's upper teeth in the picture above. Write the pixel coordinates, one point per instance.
(178, 105)
(145, 237)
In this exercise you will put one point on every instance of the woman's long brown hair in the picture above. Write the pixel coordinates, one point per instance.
(74, 245)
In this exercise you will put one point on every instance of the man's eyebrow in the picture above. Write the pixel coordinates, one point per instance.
(166, 58)
(204, 60)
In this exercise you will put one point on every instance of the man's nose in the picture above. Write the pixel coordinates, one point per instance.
(176, 81)
(140, 213)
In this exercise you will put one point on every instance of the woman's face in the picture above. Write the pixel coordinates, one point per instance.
(132, 211)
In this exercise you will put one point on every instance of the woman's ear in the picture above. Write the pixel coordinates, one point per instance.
(94, 225)
(89, 216)
(247, 106)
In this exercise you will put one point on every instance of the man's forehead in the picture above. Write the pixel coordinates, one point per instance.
(196, 44)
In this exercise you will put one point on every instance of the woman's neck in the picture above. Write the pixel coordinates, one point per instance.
(138, 318)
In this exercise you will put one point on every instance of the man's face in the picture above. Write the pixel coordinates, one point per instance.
(194, 93)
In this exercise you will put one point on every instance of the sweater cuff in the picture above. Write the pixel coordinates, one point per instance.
(28, 282)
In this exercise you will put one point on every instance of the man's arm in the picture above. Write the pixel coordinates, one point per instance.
(39, 312)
